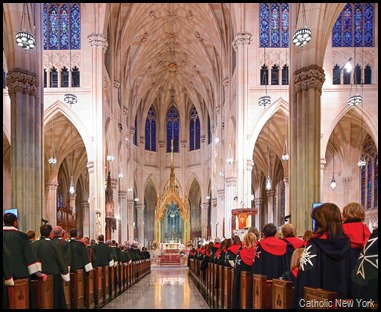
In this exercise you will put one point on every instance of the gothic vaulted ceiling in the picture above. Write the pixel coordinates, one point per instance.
(169, 49)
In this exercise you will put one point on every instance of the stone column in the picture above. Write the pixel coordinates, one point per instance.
(92, 219)
(123, 215)
(72, 198)
(86, 219)
(140, 225)
(214, 218)
(305, 141)
(130, 219)
(241, 43)
(286, 198)
(323, 162)
(347, 182)
(230, 184)
(26, 141)
(259, 206)
(204, 220)
(99, 45)
(270, 206)
(220, 212)
(51, 202)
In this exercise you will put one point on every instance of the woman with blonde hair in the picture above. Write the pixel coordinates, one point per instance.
(353, 217)
(244, 262)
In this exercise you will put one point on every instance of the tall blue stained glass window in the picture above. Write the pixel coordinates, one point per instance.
(136, 130)
(151, 130)
(173, 129)
(274, 25)
(354, 26)
(209, 131)
(194, 129)
(369, 175)
(61, 26)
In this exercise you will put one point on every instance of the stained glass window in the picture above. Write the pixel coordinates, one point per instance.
(264, 75)
(209, 131)
(173, 129)
(75, 76)
(336, 75)
(368, 74)
(136, 130)
(354, 26)
(285, 75)
(151, 130)
(369, 175)
(61, 26)
(194, 129)
(274, 25)
(275, 75)
(54, 78)
(64, 78)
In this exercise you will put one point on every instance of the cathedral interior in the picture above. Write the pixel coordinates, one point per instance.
(167, 122)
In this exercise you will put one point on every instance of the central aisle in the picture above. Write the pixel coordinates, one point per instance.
(166, 287)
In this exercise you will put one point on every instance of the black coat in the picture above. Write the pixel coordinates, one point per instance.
(326, 264)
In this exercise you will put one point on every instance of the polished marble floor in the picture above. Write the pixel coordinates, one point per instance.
(166, 287)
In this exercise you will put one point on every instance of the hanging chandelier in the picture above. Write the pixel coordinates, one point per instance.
(302, 35)
(23, 37)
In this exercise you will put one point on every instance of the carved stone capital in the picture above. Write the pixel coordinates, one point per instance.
(161, 143)
(309, 77)
(19, 80)
(116, 83)
(231, 181)
(183, 143)
(122, 195)
(249, 164)
(221, 194)
(98, 40)
(90, 167)
(241, 39)
(323, 162)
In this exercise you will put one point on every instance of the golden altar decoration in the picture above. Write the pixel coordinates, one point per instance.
(171, 194)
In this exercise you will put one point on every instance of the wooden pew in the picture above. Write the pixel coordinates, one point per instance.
(67, 291)
(77, 289)
(89, 289)
(18, 295)
(43, 293)
(317, 298)
(314, 295)
(228, 286)
(282, 294)
(221, 271)
(112, 283)
(261, 292)
(98, 287)
(244, 285)
(106, 284)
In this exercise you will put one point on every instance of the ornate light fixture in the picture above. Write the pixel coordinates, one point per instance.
(24, 38)
(333, 181)
(110, 157)
(69, 97)
(286, 155)
(52, 159)
(264, 100)
(362, 162)
(71, 187)
(268, 186)
(302, 35)
(121, 175)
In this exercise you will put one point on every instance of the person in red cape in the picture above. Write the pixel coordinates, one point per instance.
(232, 251)
(293, 242)
(244, 262)
(353, 217)
(271, 256)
